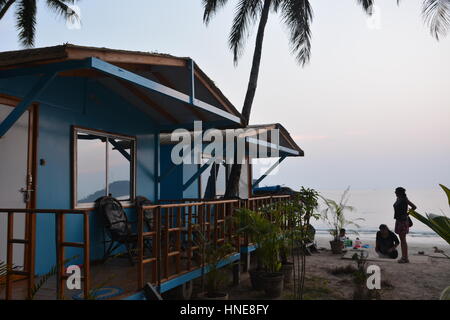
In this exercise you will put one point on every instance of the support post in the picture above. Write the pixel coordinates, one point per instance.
(268, 172)
(236, 273)
(198, 173)
(191, 67)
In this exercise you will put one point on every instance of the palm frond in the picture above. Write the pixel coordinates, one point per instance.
(43, 280)
(367, 5)
(4, 6)
(3, 268)
(210, 8)
(447, 192)
(26, 21)
(440, 226)
(298, 15)
(436, 14)
(61, 8)
(246, 13)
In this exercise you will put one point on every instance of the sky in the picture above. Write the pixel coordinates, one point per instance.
(371, 109)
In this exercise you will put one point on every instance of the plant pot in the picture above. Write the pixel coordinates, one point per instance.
(213, 296)
(255, 279)
(336, 246)
(273, 284)
(287, 269)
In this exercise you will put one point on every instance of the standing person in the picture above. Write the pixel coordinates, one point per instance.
(387, 243)
(402, 221)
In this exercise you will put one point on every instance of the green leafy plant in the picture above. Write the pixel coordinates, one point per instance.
(440, 225)
(334, 215)
(212, 254)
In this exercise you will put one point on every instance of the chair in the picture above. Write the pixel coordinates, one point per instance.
(117, 226)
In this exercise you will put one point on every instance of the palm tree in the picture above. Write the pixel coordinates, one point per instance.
(297, 16)
(25, 15)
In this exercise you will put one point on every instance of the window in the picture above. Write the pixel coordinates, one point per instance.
(213, 180)
(103, 165)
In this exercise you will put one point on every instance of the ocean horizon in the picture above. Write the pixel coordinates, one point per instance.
(375, 206)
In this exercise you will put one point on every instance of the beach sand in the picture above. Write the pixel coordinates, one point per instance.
(422, 279)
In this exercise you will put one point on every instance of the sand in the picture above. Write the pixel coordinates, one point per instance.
(422, 279)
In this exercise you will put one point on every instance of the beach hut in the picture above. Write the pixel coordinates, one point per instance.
(78, 123)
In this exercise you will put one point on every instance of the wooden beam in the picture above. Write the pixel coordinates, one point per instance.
(9, 100)
(213, 91)
(147, 100)
(118, 56)
(163, 80)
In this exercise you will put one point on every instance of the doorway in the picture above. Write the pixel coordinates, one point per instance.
(17, 179)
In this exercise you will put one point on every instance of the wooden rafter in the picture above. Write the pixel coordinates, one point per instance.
(147, 100)
(163, 80)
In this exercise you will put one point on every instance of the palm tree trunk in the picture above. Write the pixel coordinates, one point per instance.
(5, 8)
(233, 180)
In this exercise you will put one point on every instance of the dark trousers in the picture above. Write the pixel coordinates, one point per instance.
(393, 254)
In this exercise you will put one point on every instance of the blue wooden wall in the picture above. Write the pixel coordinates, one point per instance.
(78, 101)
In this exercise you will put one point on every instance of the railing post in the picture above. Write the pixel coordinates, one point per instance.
(9, 255)
(31, 251)
(158, 244)
(59, 234)
(140, 247)
(87, 254)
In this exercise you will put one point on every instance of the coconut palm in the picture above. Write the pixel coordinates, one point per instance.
(297, 15)
(25, 15)
(436, 15)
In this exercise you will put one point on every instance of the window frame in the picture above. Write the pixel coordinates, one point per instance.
(74, 165)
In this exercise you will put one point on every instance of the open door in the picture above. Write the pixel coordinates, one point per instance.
(17, 185)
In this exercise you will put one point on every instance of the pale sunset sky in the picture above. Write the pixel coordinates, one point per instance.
(371, 110)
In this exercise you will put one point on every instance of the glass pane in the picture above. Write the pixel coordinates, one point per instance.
(91, 167)
(119, 163)
(204, 180)
(220, 180)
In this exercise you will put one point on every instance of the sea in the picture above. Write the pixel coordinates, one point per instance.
(375, 207)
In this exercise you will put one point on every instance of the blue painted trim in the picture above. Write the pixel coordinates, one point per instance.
(108, 68)
(245, 249)
(198, 173)
(197, 273)
(123, 74)
(273, 146)
(19, 110)
(268, 171)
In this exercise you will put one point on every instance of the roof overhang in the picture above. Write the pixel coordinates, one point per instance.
(173, 91)
(260, 136)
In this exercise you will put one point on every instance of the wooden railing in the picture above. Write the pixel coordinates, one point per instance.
(173, 233)
(30, 246)
(172, 237)
(175, 236)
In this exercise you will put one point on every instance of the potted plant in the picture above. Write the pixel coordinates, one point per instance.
(272, 276)
(215, 277)
(334, 215)
(253, 225)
